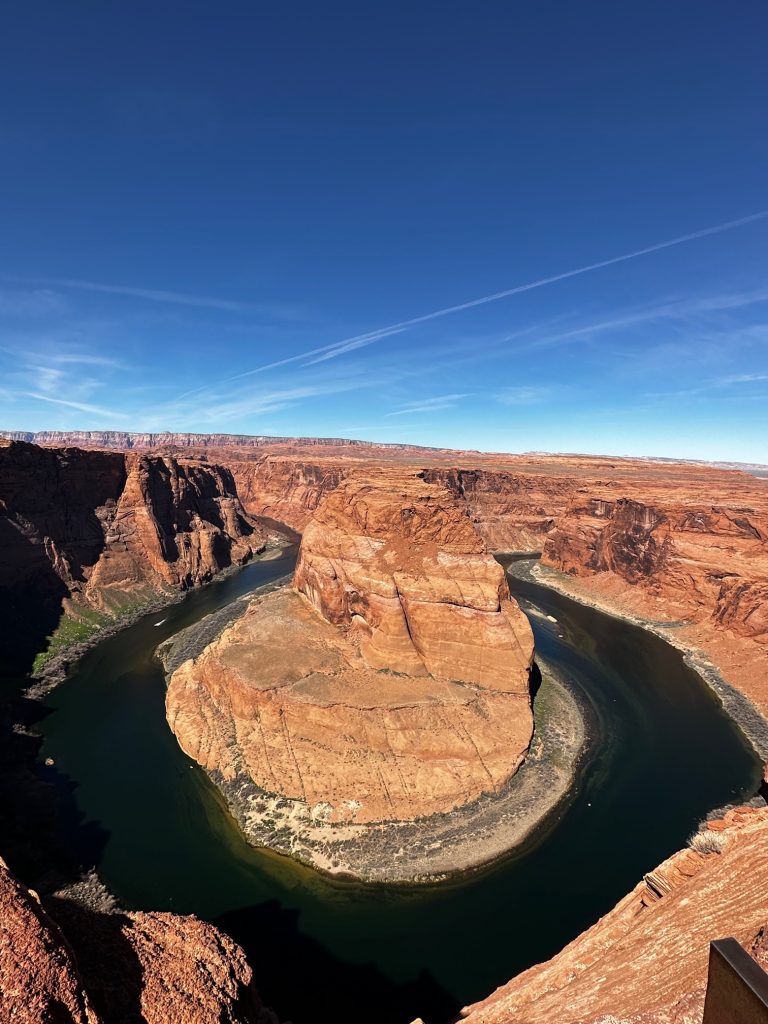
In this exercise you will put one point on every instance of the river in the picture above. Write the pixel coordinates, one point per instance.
(664, 755)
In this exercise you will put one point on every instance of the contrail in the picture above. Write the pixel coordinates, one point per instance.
(153, 294)
(362, 340)
(716, 230)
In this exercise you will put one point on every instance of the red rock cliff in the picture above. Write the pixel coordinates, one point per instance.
(398, 559)
(90, 531)
(390, 684)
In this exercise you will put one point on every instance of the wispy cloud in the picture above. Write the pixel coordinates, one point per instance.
(97, 410)
(715, 384)
(743, 378)
(47, 378)
(85, 359)
(523, 395)
(47, 369)
(681, 310)
(33, 304)
(151, 294)
(322, 354)
(435, 404)
(335, 349)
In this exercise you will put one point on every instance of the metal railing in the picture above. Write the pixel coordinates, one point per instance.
(737, 986)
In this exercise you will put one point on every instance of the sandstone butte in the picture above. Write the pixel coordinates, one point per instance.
(390, 683)
(97, 968)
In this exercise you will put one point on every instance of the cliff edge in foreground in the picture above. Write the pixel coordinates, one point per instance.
(645, 962)
(86, 967)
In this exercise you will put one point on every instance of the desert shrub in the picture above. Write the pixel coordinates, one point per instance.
(706, 841)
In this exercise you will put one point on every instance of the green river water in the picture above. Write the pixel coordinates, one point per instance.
(663, 755)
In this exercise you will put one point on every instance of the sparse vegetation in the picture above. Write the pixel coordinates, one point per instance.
(706, 841)
(72, 629)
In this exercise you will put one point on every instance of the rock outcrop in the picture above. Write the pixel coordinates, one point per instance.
(390, 684)
(693, 560)
(645, 962)
(511, 510)
(397, 558)
(287, 490)
(89, 535)
(39, 978)
(83, 967)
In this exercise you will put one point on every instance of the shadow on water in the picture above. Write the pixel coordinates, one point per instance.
(43, 829)
(303, 981)
(158, 830)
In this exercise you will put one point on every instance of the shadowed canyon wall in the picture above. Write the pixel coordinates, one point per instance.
(91, 535)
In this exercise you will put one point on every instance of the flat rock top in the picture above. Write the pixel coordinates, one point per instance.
(282, 642)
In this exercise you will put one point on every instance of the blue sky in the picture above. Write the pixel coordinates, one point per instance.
(242, 218)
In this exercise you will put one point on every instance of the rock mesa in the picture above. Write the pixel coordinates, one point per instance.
(389, 683)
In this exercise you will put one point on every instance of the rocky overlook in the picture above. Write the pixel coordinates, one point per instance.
(659, 931)
(72, 965)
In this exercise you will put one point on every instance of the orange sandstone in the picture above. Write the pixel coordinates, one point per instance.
(390, 684)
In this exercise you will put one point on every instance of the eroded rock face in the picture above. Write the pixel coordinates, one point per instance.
(511, 510)
(77, 966)
(694, 561)
(288, 490)
(99, 532)
(284, 699)
(398, 559)
(156, 968)
(660, 931)
(39, 979)
(390, 684)
(174, 525)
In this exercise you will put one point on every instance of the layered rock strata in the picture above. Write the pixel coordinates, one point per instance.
(94, 968)
(645, 962)
(390, 684)
(91, 535)
(397, 558)
(288, 490)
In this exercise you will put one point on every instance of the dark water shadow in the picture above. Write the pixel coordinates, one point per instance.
(301, 980)
(46, 839)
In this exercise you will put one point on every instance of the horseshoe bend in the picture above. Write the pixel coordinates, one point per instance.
(383, 513)
(389, 684)
(379, 710)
